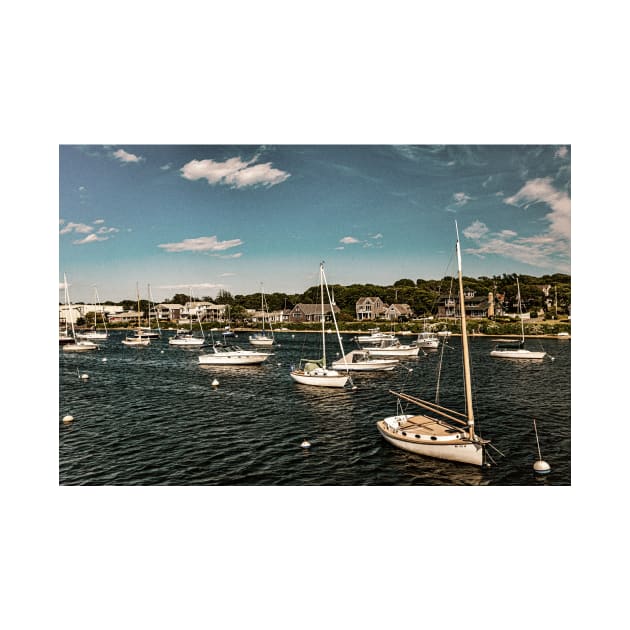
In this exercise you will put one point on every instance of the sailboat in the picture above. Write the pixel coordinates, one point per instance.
(146, 331)
(100, 335)
(262, 338)
(509, 349)
(427, 339)
(78, 345)
(314, 371)
(437, 431)
(185, 338)
(138, 339)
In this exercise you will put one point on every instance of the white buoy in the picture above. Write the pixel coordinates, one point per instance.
(215, 383)
(305, 444)
(541, 467)
(67, 419)
(161, 351)
(104, 359)
(84, 377)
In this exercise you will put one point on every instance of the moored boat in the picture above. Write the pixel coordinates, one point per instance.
(221, 354)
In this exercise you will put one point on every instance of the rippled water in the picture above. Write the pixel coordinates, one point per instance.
(149, 416)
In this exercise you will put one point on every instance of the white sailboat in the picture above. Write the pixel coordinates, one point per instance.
(363, 361)
(427, 339)
(221, 354)
(510, 349)
(437, 431)
(388, 348)
(186, 339)
(138, 339)
(314, 371)
(262, 338)
(99, 335)
(146, 331)
(78, 345)
(375, 337)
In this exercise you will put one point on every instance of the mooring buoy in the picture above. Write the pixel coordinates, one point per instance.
(67, 419)
(305, 444)
(215, 383)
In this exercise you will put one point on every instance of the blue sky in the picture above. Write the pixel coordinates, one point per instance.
(233, 217)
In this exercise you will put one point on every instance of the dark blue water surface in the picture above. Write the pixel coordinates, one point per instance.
(150, 416)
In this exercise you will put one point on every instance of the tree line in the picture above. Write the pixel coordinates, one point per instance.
(421, 295)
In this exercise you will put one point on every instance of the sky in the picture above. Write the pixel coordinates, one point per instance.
(202, 218)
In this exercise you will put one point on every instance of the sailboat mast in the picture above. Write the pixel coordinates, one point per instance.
(321, 291)
(520, 310)
(467, 382)
(69, 314)
(138, 296)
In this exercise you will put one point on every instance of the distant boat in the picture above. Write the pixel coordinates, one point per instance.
(444, 333)
(437, 431)
(427, 340)
(262, 338)
(138, 339)
(77, 345)
(314, 371)
(221, 354)
(388, 348)
(375, 337)
(100, 335)
(363, 361)
(146, 332)
(186, 339)
(512, 349)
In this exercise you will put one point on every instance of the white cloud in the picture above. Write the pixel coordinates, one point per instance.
(347, 240)
(90, 238)
(234, 172)
(123, 156)
(542, 190)
(228, 274)
(379, 235)
(166, 167)
(340, 248)
(201, 244)
(549, 248)
(476, 230)
(79, 228)
(82, 228)
(461, 198)
(561, 152)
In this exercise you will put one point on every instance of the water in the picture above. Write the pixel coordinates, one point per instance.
(149, 416)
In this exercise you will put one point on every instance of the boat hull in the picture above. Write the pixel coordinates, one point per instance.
(82, 346)
(517, 354)
(132, 341)
(455, 450)
(92, 335)
(368, 366)
(411, 351)
(330, 378)
(253, 358)
(261, 341)
(186, 343)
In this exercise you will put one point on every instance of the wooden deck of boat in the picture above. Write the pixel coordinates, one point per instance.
(427, 425)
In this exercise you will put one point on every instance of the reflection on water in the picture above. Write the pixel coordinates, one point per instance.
(151, 416)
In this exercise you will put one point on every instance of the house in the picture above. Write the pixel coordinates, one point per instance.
(311, 312)
(125, 317)
(370, 308)
(398, 312)
(205, 311)
(77, 311)
(476, 306)
(169, 312)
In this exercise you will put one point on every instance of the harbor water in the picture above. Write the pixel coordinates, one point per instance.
(151, 416)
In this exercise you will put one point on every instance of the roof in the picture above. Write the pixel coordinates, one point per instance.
(314, 309)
